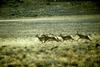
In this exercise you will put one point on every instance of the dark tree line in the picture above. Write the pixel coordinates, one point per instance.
(70, 0)
(94, 1)
(2, 2)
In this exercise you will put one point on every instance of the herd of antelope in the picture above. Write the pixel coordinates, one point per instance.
(58, 38)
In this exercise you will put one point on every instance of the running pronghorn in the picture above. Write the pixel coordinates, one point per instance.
(42, 38)
(51, 37)
(57, 37)
(66, 37)
(81, 36)
(47, 37)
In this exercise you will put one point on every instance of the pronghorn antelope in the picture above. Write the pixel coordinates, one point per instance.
(51, 38)
(58, 38)
(42, 38)
(46, 37)
(66, 37)
(81, 36)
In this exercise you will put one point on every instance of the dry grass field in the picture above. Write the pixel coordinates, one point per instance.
(20, 48)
